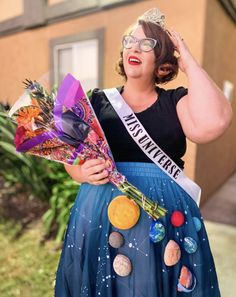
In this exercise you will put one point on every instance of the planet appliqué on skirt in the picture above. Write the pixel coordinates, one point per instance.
(197, 224)
(177, 218)
(123, 213)
(187, 281)
(116, 240)
(157, 231)
(190, 245)
(172, 253)
(122, 265)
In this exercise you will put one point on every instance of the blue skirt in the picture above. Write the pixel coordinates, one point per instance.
(86, 263)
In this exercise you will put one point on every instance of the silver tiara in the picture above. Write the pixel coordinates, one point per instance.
(155, 16)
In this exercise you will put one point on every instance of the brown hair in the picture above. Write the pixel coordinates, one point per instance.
(166, 62)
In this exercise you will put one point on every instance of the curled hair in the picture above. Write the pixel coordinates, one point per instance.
(166, 62)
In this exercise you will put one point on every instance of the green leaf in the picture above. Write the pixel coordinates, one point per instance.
(61, 232)
(4, 114)
(7, 133)
(12, 150)
(48, 218)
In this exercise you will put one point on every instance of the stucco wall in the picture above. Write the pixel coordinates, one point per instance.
(10, 9)
(216, 161)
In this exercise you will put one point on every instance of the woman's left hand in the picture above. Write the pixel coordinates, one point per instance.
(185, 58)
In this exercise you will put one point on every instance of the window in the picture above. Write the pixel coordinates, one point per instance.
(80, 55)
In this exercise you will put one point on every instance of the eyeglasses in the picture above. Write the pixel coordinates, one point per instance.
(145, 44)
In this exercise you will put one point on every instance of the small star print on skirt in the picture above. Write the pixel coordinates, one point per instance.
(108, 253)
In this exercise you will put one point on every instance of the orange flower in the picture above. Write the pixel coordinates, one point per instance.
(26, 114)
(30, 134)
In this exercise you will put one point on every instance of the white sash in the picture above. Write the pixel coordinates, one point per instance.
(149, 147)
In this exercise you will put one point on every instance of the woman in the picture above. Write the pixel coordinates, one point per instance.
(201, 114)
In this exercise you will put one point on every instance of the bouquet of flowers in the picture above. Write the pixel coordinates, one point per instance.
(62, 126)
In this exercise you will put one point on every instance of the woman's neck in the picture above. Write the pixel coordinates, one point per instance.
(138, 95)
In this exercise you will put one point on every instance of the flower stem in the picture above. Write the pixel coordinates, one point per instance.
(151, 207)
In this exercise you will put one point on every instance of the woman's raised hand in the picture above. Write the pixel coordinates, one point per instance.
(185, 58)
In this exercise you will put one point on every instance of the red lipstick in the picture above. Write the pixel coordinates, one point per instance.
(133, 60)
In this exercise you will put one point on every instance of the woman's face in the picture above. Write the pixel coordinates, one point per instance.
(137, 63)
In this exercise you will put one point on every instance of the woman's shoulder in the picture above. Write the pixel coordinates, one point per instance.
(98, 94)
(173, 95)
(96, 97)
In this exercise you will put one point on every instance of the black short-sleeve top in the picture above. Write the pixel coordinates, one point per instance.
(160, 121)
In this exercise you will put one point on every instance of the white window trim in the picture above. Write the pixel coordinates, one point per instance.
(66, 41)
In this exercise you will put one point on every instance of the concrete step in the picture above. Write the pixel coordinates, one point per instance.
(222, 239)
(221, 207)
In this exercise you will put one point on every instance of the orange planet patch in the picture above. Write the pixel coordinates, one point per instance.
(123, 213)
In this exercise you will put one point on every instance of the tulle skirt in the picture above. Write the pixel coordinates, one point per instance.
(86, 263)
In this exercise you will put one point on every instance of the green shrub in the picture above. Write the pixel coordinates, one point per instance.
(18, 168)
(64, 191)
(39, 177)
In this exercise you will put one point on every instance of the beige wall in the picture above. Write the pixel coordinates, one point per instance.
(10, 9)
(216, 161)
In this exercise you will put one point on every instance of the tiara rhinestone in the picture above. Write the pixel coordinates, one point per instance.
(154, 15)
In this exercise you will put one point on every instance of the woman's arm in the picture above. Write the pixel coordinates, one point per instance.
(204, 113)
(92, 171)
